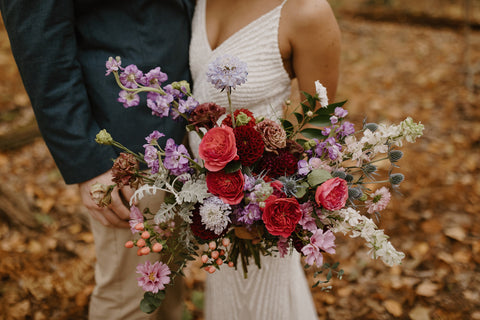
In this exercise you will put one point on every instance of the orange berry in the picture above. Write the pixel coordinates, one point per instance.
(139, 252)
(157, 247)
(145, 250)
(211, 269)
(219, 261)
(139, 226)
(225, 242)
(141, 243)
(230, 264)
(215, 254)
(222, 252)
(129, 244)
(204, 258)
(212, 245)
(145, 234)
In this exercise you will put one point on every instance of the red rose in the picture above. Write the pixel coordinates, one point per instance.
(218, 148)
(227, 186)
(332, 194)
(228, 120)
(249, 143)
(281, 215)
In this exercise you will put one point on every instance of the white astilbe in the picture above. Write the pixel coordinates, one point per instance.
(194, 191)
(215, 214)
(349, 220)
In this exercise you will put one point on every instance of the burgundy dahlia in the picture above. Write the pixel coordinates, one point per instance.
(277, 165)
(249, 143)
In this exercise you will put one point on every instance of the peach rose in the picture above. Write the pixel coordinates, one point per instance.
(218, 148)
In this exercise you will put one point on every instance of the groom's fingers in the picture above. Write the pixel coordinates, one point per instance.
(118, 206)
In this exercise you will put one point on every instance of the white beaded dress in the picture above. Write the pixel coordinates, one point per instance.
(279, 290)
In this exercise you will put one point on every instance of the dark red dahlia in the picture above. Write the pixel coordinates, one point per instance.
(228, 120)
(206, 115)
(249, 143)
(277, 165)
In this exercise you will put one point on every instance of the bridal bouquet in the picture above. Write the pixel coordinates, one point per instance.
(258, 187)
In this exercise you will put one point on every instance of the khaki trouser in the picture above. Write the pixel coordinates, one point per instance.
(117, 295)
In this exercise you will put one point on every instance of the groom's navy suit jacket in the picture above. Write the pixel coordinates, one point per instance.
(61, 47)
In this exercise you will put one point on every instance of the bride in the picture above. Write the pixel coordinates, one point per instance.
(279, 40)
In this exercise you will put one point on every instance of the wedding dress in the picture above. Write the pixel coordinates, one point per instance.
(279, 289)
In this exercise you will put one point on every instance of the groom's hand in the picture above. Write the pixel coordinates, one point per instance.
(117, 213)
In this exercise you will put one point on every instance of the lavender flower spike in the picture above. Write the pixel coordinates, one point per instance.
(227, 72)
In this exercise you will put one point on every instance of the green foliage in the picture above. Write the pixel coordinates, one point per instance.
(151, 301)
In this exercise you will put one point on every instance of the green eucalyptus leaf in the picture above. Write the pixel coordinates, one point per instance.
(318, 176)
(302, 190)
(147, 307)
(311, 133)
(299, 117)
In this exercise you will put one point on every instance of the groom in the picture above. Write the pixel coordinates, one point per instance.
(60, 47)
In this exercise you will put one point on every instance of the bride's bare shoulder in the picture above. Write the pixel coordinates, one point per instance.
(301, 14)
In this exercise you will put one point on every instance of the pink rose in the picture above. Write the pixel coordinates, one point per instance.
(218, 148)
(281, 215)
(332, 194)
(227, 186)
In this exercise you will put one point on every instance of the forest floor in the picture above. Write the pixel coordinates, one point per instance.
(390, 70)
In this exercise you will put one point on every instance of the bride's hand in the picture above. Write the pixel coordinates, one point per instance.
(117, 213)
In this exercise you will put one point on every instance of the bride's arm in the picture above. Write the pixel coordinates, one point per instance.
(311, 36)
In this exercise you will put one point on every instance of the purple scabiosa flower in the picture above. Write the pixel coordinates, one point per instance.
(151, 158)
(154, 277)
(345, 129)
(136, 217)
(249, 214)
(131, 76)
(187, 106)
(128, 99)
(340, 112)
(379, 201)
(154, 78)
(160, 104)
(176, 158)
(113, 65)
(319, 240)
(154, 136)
(227, 72)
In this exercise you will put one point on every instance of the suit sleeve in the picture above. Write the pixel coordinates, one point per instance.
(42, 37)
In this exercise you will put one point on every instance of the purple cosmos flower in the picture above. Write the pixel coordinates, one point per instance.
(154, 277)
(151, 158)
(154, 78)
(136, 217)
(227, 72)
(340, 112)
(128, 99)
(249, 214)
(131, 76)
(113, 65)
(176, 158)
(159, 104)
(307, 221)
(319, 241)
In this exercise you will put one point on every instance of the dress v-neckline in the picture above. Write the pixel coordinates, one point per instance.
(233, 35)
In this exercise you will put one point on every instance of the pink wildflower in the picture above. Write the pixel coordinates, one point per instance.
(283, 246)
(379, 201)
(307, 221)
(154, 277)
(136, 217)
(319, 241)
